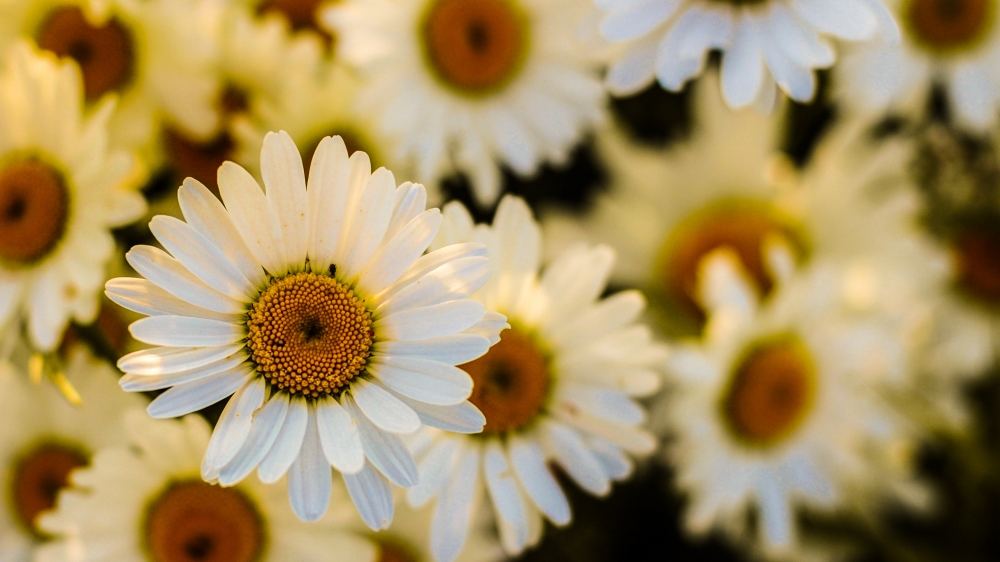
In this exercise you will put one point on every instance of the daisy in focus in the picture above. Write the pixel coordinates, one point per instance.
(44, 438)
(954, 44)
(155, 506)
(559, 387)
(156, 56)
(777, 408)
(472, 85)
(313, 307)
(764, 43)
(62, 190)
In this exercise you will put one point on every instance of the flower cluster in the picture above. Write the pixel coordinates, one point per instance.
(439, 274)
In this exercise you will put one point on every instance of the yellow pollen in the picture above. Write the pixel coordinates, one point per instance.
(309, 334)
(193, 521)
(39, 477)
(770, 393)
(34, 207)
(511, 383)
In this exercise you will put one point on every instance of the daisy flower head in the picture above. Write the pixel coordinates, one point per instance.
(776, 408)
(951, 43)
(312, 306)
(62, 190)
(764, 43)
(471, 85)
(163, 511)
(156, 56)
(559, 386)
(44, 438)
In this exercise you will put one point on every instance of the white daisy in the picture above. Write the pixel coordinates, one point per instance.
(314, 308)
(778, 406)
(468, 85)
(157, 56)
(559, 387)
(763, 42)
(146, 501)
(61, 192)
(955, 43)
(43, 438)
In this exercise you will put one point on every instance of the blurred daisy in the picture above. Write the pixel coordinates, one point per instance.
(558, 386)
(153, 505)
(470, 85)
(955, 43)
(43, 438)
(157, 56)
(302, 15)
(763, 42)
(314, 309)
(61, 193)
(777, 407)
(261, 64)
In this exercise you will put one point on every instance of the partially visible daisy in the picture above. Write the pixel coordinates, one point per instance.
(313, 307)
(157, 56)
(764, 43)
(778, 409)
(145, 500)
(558, 387)
(472, 85)
(301, 15)
(43, 438)
(954, 43)
(61, 192)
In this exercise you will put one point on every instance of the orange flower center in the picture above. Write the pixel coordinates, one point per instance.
(770, 392)
(511, 383)
(977, 263)
(194, 521)
(39, 477)
(34, 207)
(946, 26)
(105, 53)
(309, 334)
(475, 46)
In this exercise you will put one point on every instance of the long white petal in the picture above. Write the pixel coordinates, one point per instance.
(385, 451)
(185, 331)
(399, 254)
(284, 177)
(434, 469)
(252, 216)
(456, 349)
(575, 458)
(429, 321)
(167, 273)
(369, 223)
(454, 280)
(194, 396)
(503, 489)
(431, 261)
(286, 447)
(340, 437)
(371, 495)
(201, 257)
(533, 473)
(329, 182)
(309, 479)
(459, 418)
(233, 428)
(411, 201)
(166, 360)
(422, 380)
(142, 296)
(383, 409)
(145, 383)
(264, 429)
(450, 525)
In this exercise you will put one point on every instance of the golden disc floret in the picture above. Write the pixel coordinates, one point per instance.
(309, 334)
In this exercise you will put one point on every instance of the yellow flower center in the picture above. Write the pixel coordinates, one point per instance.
(39, 476)
(475, 46)
(770, 393)
(193, 521)
(946, 26)
(741, 227)
(977, 263)
(105, 53)
(309, 334)
(511, 383)
(34, 207)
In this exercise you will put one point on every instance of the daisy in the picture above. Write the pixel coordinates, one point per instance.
(153, 505)
(470, 85)
(311, 306)
(764, 43)
(43, 438)
(157, 56)
(61, 192)
(952, 43)
(777, 407)
(559, 386)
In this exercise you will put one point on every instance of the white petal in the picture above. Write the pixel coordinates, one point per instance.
(423, 380)
(845, 19)
(168, 274)
(193, 396)
(286, 447)
(383, 409)
(490, 326)
(252, 216)
(454, 280)
(604, 403)
(201, 257)
(429, 321)
(145, 383)
(505, 494)
(617, 466)
(184, 331)
(628, 24)
(329, 183)
(368, 224)
(385, 451)
(264, 430)
(372, 496)
(166, 360)
(411, 201)
(140, 295)
(456, 349)
(434, 469)
(460, 418)
(340, 437)
(284, 178)
(309, 479)
(775, 513)
(575, 458)
(429, 262)
(743, 66)
(529, 464)
(633, 439)
(233, 428)
(450, 525)
(399, 254)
